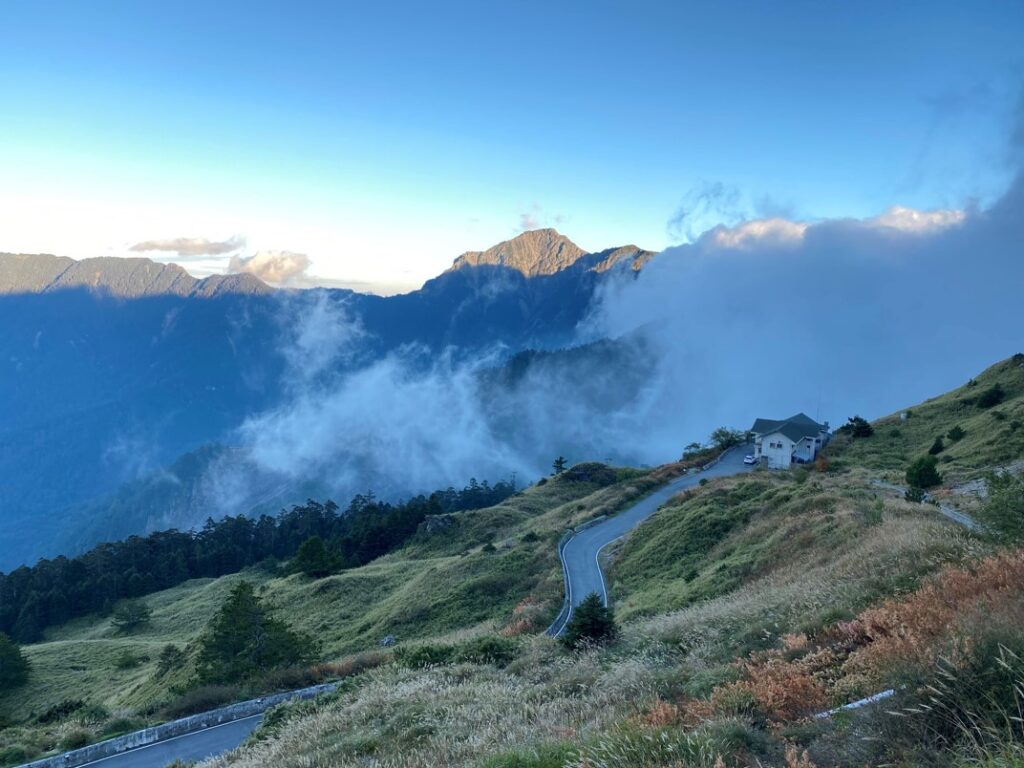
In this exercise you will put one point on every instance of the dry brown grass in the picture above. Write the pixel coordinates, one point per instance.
(938, 619)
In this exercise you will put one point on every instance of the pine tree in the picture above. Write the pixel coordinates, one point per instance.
(314, 559)
(922, 473)
(14, 667)
(591, 622)
(129, 615)
(558, 465)
(244, 640)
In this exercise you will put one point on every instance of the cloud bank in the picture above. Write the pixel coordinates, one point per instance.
(834, 318)
(191, 246)
(764, 318)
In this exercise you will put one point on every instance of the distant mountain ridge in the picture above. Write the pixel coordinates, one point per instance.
(111, 368)
(127, 278)
(534, 253)
(547, 252)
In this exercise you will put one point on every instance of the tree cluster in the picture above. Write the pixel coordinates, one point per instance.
(14, 667)
(244, 640)
(55, 591)
(857, 427)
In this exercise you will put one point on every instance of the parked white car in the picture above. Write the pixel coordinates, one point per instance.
(749, 459)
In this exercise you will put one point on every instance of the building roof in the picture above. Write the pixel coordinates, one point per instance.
(796, 427)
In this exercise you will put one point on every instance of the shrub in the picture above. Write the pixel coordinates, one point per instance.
(486, 650)
(922, 473)
(937, 447)
(773, 688)
(303, 677)
(873, 514)
(1003, 510)
(481, 650)
(591, 622)
(171, 657)
(14, 755)
(130, 615)
(905, 635)
(75, 739)
(956, 434)
(914, 495)
(128, 659)
(121, 725)
(542, 756)
(590, 472)
(723, 437)
(857, 427)
(994, 395)
(202, 699)
(427, 655)
(60, 711)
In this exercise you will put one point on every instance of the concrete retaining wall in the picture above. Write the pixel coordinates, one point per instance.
(175, 728)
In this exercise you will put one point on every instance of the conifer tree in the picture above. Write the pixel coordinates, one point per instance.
(244, 640)
(591, 621)
(14, 667)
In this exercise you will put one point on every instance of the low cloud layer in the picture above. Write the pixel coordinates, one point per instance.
(191, 246)
(276, 267)
(754, 318)
(834, 318)
(766, 318)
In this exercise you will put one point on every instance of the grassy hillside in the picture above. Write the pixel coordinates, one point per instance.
(702, 546)
(467, 576)
(745, 606)
(993, 434)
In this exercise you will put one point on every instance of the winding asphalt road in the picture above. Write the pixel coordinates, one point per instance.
(580, 555)
(192, 746)
(583, 576)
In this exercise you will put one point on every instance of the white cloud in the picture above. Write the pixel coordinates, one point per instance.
(843, 315)
(191, 246)
(750, 233)
(911, 220)
(276, 267)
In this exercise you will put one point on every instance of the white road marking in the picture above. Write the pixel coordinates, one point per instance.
(165, 741)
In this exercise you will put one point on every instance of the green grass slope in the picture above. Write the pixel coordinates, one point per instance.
(465, 577)
(993, 435)
(705, 545)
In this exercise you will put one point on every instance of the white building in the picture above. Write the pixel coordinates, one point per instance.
(794, 440)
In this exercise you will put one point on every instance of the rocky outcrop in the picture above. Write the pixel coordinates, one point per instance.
(547, 252)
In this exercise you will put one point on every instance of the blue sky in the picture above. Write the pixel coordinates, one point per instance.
(383, 139)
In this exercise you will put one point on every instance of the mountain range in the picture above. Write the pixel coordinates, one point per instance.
(116, 369)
